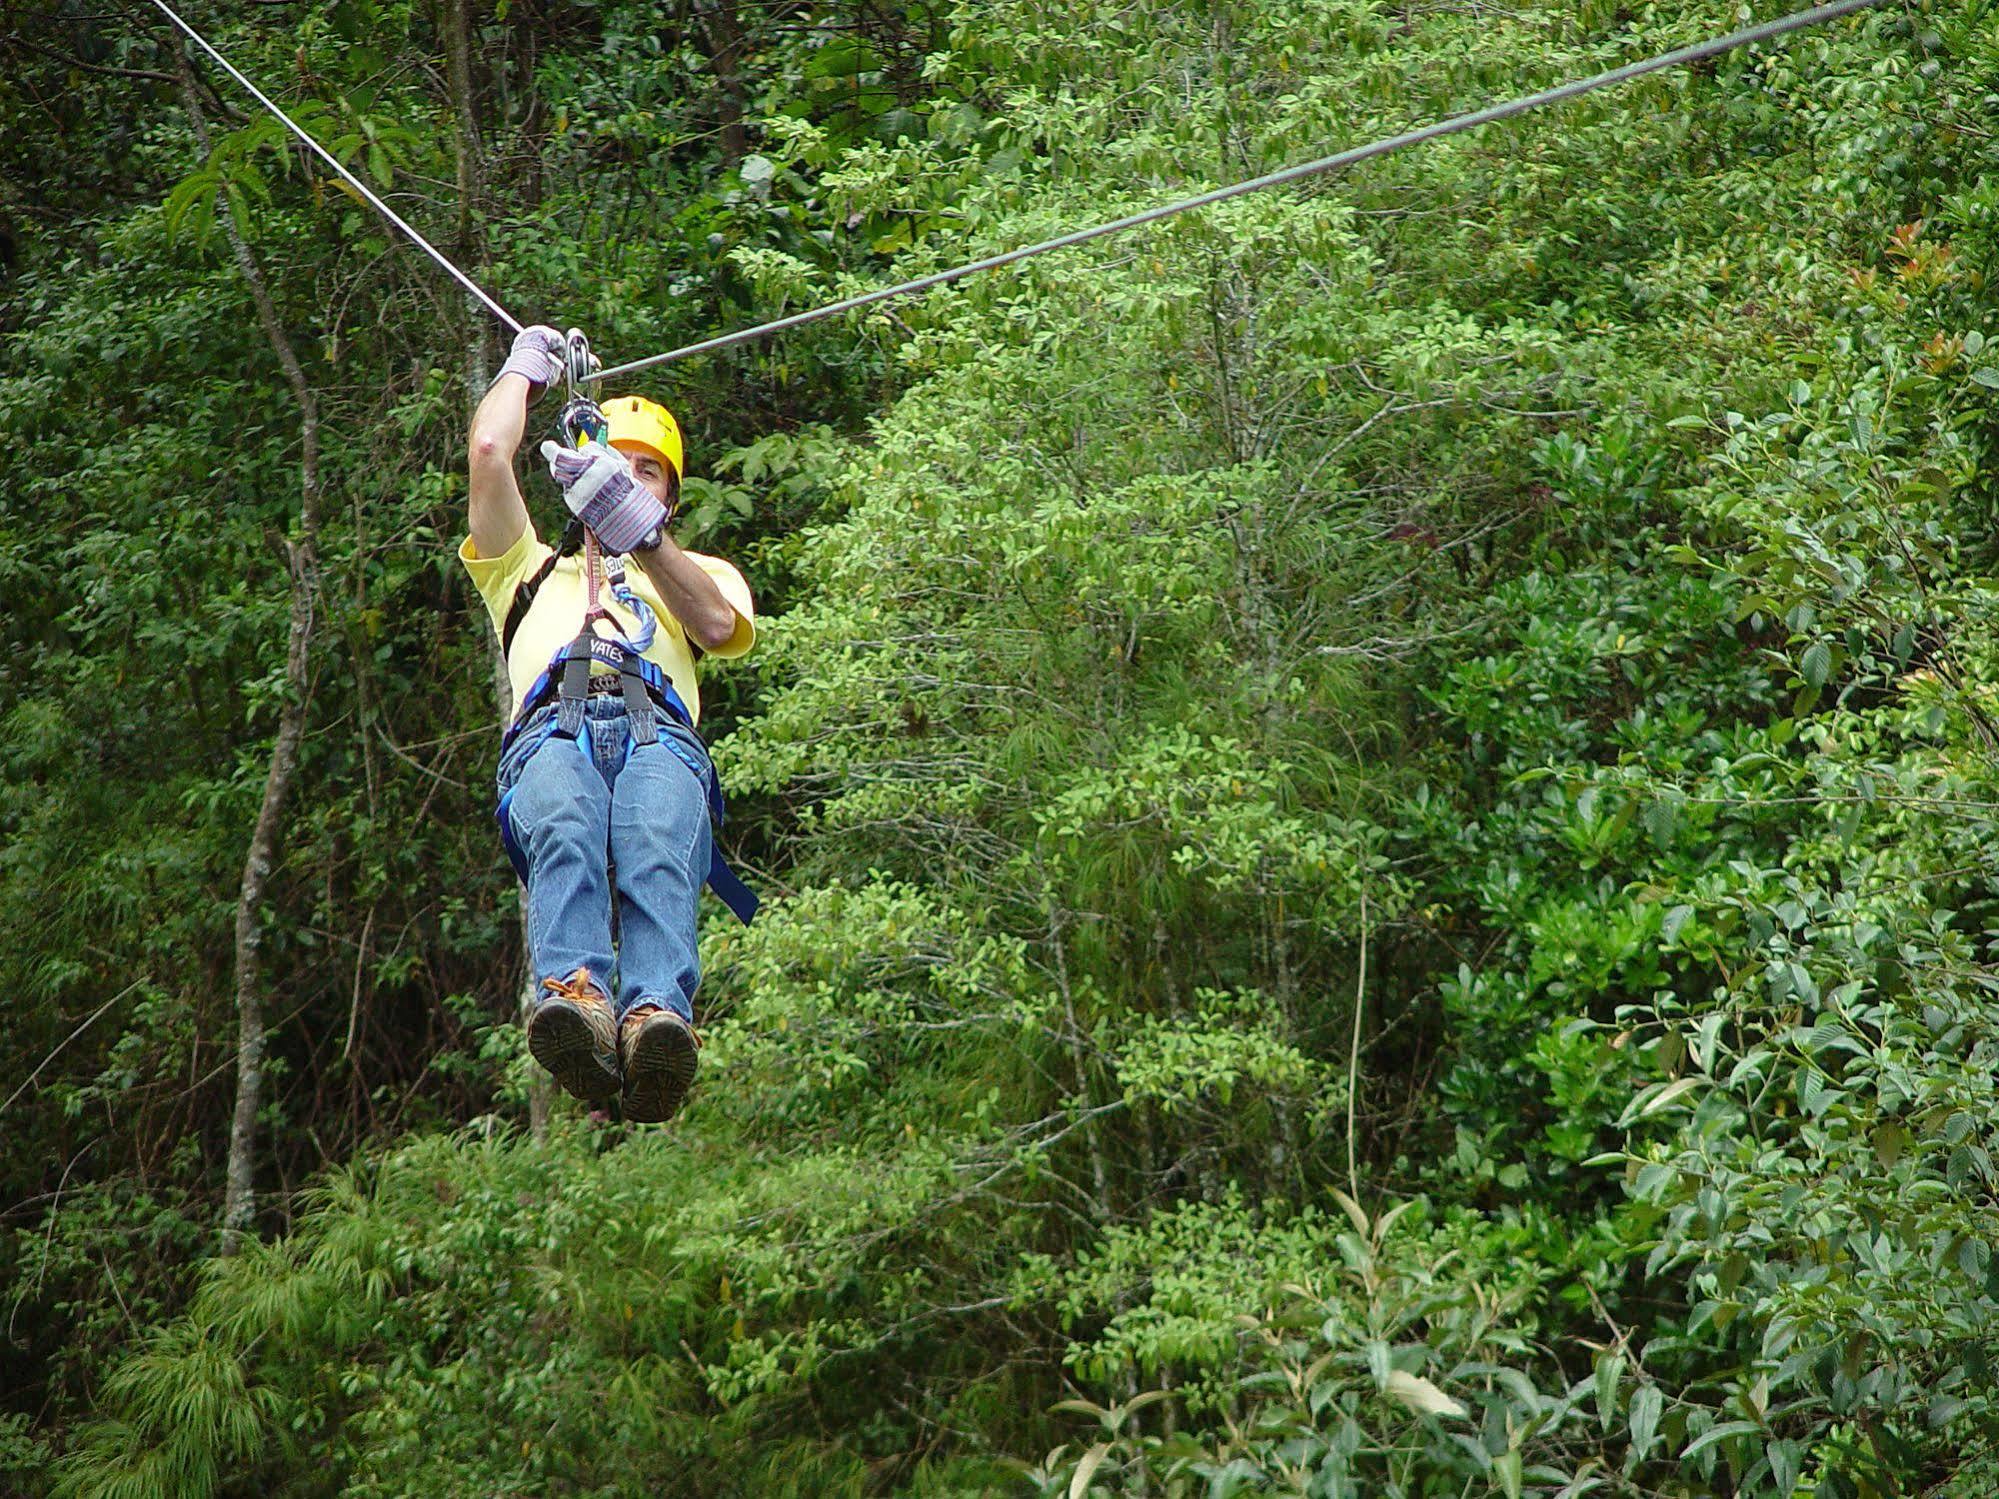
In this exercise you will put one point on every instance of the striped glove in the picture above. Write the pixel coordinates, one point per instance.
(537, 356)
(598, 487)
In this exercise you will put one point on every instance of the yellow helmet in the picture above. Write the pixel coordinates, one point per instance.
(646, 425)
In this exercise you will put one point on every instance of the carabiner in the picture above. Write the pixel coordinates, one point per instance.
(582, 421)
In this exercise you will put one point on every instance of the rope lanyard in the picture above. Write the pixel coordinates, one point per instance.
(1679, 57)
(593, 580)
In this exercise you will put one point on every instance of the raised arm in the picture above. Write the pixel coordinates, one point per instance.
(496, 512)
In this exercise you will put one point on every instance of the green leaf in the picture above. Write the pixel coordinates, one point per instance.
(1081, 1407)
(1816, 665)
(1718, 1434)
(195, 194)
(1079, 1485)
(1353, 1211)
(1944, 1409)
(1646, 1407)
(1656, 1099)
(1787, 1460)
(1378, 1363)
(1962, 1164)
(757, 173)
(1609, 1373)
(239, 210)
(1420, 1395)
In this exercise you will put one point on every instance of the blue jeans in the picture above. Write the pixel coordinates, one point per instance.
(641, 812)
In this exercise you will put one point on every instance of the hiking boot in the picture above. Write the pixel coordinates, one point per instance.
(573, 1033)
(659, 1054)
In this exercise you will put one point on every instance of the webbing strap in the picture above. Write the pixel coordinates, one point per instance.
(728, 886)
(638, 706)
(647, 692)
(573, 688)
(610, 655)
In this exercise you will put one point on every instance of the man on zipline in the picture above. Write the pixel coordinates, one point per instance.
(602, 776)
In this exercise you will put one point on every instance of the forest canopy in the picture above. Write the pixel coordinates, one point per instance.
(1375, 804)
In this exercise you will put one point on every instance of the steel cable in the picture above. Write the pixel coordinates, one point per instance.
(1679, 57)
(352, 181)
(1748, 36)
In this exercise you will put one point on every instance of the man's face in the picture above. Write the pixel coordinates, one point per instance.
(650, 472)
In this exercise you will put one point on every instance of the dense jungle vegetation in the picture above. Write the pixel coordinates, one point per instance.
(1377, 804)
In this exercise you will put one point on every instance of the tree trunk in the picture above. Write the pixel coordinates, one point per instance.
(457, 29)
(302, 564)
(1100, 1177)
(724, 34)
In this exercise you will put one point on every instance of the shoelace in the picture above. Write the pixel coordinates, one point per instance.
(577, 988)
(645, 1012)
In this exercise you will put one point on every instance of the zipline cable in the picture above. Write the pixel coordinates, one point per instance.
(1679, 57)
(352, 181)
(1748, 36)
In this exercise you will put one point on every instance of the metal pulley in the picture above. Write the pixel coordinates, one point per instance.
(582, 363)
(582, 420)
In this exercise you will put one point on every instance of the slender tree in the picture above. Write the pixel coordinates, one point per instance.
(302, 569)
(723, 33)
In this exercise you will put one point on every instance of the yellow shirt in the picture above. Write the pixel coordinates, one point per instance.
(556, 615)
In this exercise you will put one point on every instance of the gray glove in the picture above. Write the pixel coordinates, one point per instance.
(540, 354)
(598, 487)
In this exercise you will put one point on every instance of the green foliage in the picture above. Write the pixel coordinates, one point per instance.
(1393, 1372)
(1464, 683)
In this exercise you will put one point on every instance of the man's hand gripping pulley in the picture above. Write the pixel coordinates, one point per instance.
(618, 513)
(597, 483)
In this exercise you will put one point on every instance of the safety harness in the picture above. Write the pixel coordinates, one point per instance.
(646, 689)
(573, 542)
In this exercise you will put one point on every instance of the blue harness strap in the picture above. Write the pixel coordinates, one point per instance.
(646, 690)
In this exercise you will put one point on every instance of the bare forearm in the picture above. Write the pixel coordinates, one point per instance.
(502, 418)
(496, 511)
(690, 594)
